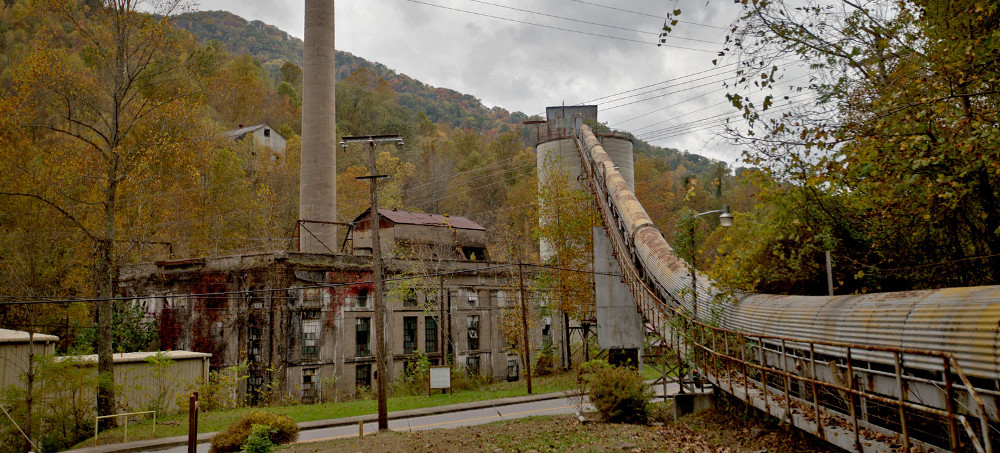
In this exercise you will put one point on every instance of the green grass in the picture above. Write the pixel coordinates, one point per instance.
(177, 424)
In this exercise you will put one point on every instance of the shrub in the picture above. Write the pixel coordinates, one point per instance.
(620, 395)
(414, 379)
(235, 436)
(544, 364)
(259, 440)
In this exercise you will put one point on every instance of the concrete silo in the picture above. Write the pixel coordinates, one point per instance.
(619, 149)
(619, 326)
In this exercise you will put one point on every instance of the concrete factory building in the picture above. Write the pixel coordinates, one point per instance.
(304, 322)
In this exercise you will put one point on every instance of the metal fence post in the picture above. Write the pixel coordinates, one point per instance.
(904, 432)
(850, 401)
(949, 396)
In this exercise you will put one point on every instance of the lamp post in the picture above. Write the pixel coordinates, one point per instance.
(377, 277)
(726, 220)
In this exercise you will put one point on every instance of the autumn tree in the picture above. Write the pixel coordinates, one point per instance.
(102, 118)
(892, 145)
(566, 221)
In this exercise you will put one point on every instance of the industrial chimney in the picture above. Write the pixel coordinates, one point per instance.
(318, 171)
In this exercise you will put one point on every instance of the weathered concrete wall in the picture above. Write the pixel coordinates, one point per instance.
(268, 329)
(619, 325)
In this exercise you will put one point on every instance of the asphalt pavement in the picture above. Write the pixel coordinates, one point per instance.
(450, 416)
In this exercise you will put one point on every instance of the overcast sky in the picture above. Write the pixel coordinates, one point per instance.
(524, 55)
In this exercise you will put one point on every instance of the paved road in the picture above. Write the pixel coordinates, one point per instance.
(448, 420)
(454, 419)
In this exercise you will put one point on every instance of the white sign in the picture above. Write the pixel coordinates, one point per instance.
(440, 377)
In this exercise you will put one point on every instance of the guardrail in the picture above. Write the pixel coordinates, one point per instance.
(126, 415)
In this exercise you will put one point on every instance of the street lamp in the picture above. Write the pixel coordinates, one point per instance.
(726, 220)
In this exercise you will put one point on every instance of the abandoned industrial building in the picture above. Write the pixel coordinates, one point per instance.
(304, 322)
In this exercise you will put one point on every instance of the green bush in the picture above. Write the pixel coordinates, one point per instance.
(235, 436)
(620, 395)
(259, 440)
(414, 379)
(544, 364)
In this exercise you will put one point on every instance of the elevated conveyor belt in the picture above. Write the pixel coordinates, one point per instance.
(876, 372)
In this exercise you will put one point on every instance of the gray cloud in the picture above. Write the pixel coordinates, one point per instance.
(524, 67)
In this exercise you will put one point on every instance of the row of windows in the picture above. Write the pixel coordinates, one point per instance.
(362, 336)
(410, 298)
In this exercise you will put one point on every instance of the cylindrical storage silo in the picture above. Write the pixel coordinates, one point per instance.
(561, 156)
(619, 149)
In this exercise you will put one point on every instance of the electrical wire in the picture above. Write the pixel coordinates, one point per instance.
(557, 28)
(565, 18)
(494, 266)
(649, 15)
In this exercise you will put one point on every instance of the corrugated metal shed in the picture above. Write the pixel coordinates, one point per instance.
(14, 352)
(141, 382)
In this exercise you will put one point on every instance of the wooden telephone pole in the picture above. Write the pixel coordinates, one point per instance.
(377, 277)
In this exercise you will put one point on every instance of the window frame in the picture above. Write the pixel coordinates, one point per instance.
(363, 349)
(410, 335)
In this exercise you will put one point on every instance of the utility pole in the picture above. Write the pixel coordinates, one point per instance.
(377, 277)
(524, 326)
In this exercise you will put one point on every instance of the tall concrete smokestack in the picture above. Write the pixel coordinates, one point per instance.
(318, 172)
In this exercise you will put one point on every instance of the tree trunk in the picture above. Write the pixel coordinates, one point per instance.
(569, 352)
(30, 400)
(106, 276)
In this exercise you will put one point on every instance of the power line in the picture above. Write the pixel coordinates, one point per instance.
(653, 132)
(557, 28)
(662, 95)
(295, 288)
(649, 15)
(566, 18)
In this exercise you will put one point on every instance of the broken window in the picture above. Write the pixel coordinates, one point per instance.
(362, 297)
(362, 335)
(472, 364)
(409, 334)
(512, 367)
(472, 322)
(309, 383)
(363, 376)
(310, 339)
(410, 298)
(267, 132)
(474, 253)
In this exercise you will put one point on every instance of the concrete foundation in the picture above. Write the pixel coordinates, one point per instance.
(692, 403)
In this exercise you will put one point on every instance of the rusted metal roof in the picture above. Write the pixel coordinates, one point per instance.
(422, 218)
